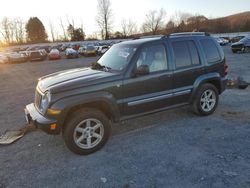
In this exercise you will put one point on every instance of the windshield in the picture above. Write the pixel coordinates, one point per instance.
(117, 57)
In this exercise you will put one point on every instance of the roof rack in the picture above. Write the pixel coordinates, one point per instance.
(151, 36)
(190, 34)
(148, 37)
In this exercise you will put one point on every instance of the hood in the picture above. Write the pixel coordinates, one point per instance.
(72, 79)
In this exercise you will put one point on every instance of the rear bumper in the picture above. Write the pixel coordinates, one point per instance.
(41, 122)
(224, 81)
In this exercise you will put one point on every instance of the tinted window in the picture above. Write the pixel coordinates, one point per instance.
(194, 53)
(155, 57)
(211, 50)
(182, 56)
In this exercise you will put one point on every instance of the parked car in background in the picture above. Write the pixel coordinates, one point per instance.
(44, 53)
(54, 54)
(236, 39)
(46, 48)
(81, 50)
(89, 51)
(17, 57)
(3, 59)
(71, 53)
(102, 50)
(243, 45)
(37, 55)
(221, 41)
(75, 47)
(25, 54)
(33, 48)
(64, 47)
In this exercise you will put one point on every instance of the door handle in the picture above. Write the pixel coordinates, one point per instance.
(163, 77)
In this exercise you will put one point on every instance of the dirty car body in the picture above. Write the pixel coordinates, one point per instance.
(123, 84)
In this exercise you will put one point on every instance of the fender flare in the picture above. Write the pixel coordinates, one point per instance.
(67, 103)
(203, 79)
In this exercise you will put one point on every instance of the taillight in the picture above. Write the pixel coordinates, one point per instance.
(225, 69)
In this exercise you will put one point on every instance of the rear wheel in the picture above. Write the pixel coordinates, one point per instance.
(206, 100)
(247, 49)
(86, 131)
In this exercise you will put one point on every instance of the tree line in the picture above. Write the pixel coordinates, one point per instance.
(16, 31)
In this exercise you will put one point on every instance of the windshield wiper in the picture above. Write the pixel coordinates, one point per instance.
(98, 66)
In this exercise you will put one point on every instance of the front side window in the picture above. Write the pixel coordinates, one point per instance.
(154, 57)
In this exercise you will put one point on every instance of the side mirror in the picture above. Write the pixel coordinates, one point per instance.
(142, 70)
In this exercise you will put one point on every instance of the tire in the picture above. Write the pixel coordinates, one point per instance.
(206, 100)
(234, 51)
(247, 49)
(90, 127)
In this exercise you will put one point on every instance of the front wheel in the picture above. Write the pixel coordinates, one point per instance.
(86, 131)
(206, 100)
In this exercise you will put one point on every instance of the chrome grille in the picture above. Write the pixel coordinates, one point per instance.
(38, 98)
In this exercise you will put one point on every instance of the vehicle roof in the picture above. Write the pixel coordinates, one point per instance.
(141, 41)
(138, 42)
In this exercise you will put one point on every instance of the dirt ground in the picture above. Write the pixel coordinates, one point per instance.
(174, 148)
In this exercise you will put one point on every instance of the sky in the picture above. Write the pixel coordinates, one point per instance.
(84, 11)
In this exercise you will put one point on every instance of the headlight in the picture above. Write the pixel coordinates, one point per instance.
(45, 101)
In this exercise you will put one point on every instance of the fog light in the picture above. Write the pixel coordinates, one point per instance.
(53, 126)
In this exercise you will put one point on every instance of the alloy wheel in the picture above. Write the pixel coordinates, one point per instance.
(88, 133)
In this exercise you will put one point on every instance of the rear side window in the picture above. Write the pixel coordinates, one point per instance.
(186, 54)
(194, 53)
(182, 56)
(211, 50)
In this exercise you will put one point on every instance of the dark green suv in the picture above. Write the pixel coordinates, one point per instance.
(131, 79)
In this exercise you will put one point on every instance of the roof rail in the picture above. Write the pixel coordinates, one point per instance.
(190, 34)
(151, 36)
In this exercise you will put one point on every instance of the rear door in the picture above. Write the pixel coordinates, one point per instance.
(188, 67)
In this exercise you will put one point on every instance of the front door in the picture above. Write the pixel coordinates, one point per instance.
(152, 91)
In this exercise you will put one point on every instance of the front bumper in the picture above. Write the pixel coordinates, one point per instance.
(41, 122)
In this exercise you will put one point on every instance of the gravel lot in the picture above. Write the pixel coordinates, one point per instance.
(170, 149)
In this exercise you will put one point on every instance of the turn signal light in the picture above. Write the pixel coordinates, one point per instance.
(53, 126)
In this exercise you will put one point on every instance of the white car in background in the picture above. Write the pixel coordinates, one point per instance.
(102, 49)
(221, 41)
(3, 59)
(16, 57)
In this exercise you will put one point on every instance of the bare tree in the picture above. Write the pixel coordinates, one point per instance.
(52, 31)
(104, 17)
(19, 30)
(154, 21)
(181, 17)
(64, 31)
(128, 27)
(6, 29)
